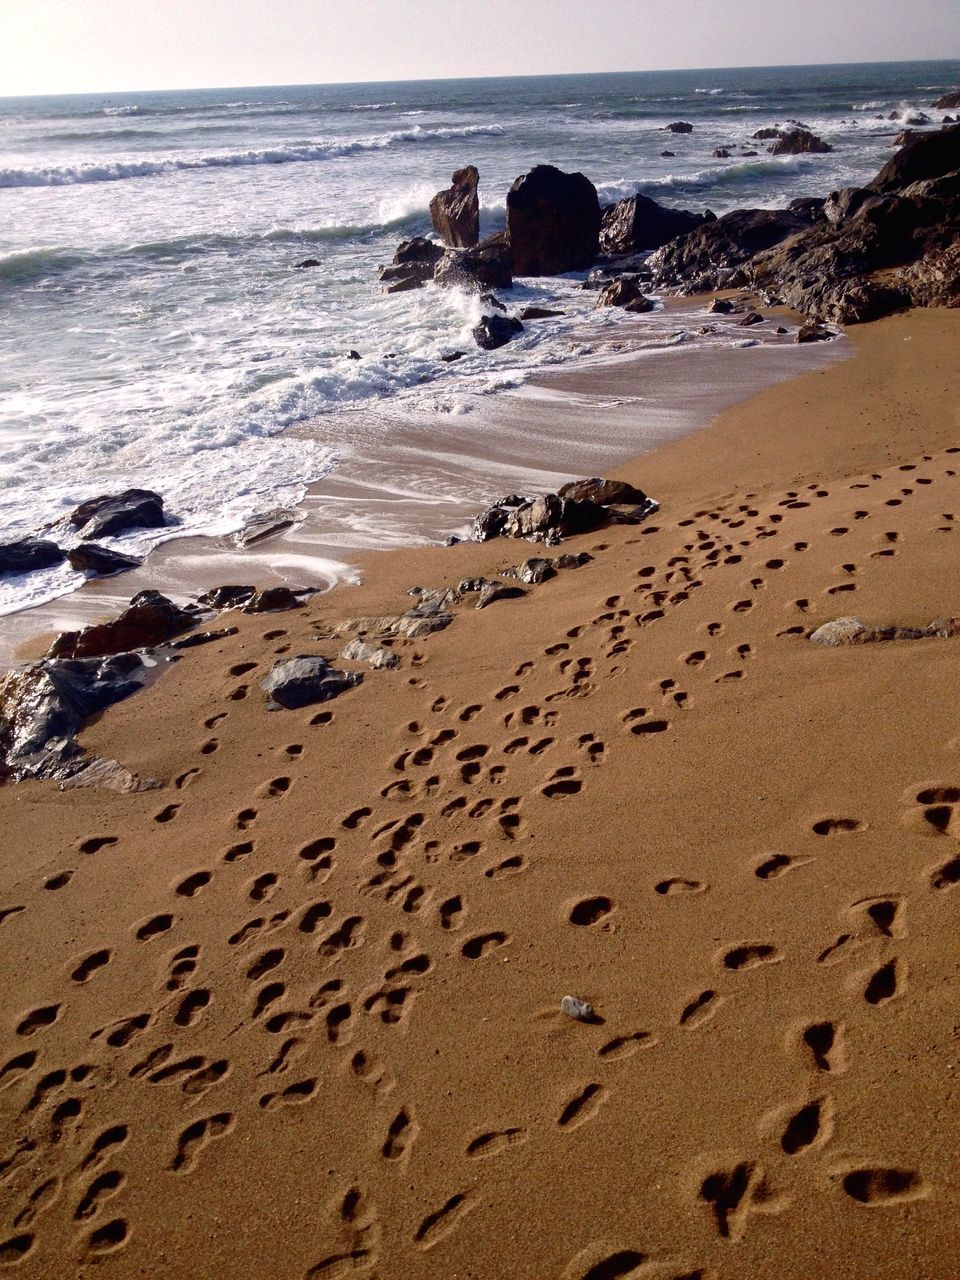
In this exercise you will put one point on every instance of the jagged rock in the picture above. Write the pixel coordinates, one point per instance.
(797, 142)
(149, 620)
(750, 319)
(814, 333)
(471, 586)
(494, 591)
(272, 600)
(538, 313)
(705, 259)
(107, 516)
(840, 206)
(766, 133)
(640, 223)
(374, 655)
(603, 492)
(28, 554)
(625, 292)
(43, 705)
(226, 597)
(490, 523)
(577, 508)
(948, 101)
(553, 220)
(429, 615)
(108, 775)
(533, 571)
(413, 265)
(266, 524)
(203, 637)
(724, 307)
(538, 516)
(486, 266)
(844, 631)
(496, 331)
(455, 212)
(88, 557)
(491, 300)
(679, 126)
(809, 208)
(722, 153)
(302, 681)
(572, 560)
(929, 155)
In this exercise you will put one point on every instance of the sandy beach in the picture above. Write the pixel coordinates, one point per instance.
(296, 1014)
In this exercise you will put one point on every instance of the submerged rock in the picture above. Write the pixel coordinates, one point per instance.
(267, 523)
(109, 515)
(679, 126)
(302, 681)
(28, 554)
(553, 220)
(487, 265)
(496, 331)
(796, 142)
(88, 557)
(455, 213)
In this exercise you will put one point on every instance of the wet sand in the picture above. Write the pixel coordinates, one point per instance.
(297, 1014)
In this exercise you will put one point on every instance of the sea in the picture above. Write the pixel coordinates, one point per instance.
(155, 330)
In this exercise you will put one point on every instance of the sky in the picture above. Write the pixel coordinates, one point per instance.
(112, 46)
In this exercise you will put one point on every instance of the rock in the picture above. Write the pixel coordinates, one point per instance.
(354, 355)
(640, 223)
(533, 571)
(105, 517)
(108, 775)
(668, 155)
(307, 262)
(721, 153)
(149, 620)
(496, 331)
(553, 220)
(625, 292)
(840, 631)
(486, 266)
(88, 557)
(748, 154)
(302, 681)
(603, 492)
(471, 586)
(491, 300)
(572, 560)
(413, 265)
(539, 313)
(814, 333)
(840, 206)
(266, 524)
(28, 554)
(490, 523)
(374, 655)
(494, 591)
(203, 637)
(723, 307)
(455, 213)
(44, 705)
(780, 330)
(766, 133)
(537, 516)
(578, 1009)
(272, 600)
(948, 101)
(679, 126)
(797, 142)
(453, 356)
(929, 155)
(809, 208)
(751, 318)
(704, 259)
(226, 597)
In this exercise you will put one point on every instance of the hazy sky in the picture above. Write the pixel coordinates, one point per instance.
(102, 46)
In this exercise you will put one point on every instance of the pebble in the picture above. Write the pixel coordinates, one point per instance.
(578, 1009)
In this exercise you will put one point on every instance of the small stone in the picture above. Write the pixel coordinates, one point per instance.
(840, 631)
(498, 591)
(577, 1009)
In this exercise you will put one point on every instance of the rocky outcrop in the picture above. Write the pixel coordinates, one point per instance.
(679, 126)
(948, 101)
(413, 265)
(625, 292)
(553, 219)
(926, 156)
(486, 266)
(27, 554)
(579, 507)
(495, 331)
(455, 213)
(638, 223)
(799, 142)
(88, 557)
(308, 679)
(150, 619)
(108, 516)
(703, 260)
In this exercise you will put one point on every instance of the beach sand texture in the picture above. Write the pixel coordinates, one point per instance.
(298, 1013)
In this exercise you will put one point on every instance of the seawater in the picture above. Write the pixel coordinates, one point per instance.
(154, 330)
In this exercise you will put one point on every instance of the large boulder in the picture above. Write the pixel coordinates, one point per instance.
(948, 101)
(150, 619)
(798, 142)
(640, 223)
(704, 259)
(28, 554)
(487, 265)
(413, 265)
(928, 155)
(553, 219)
(302, 681)
(107, 516)
(496, 331)
(625, 292)
(455, 213)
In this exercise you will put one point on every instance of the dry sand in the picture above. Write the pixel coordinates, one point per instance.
(297, 1015)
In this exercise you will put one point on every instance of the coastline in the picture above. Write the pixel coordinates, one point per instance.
(320, 971)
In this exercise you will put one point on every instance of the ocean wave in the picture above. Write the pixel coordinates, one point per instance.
(118, 170)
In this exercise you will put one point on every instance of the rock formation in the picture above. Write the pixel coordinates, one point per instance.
(553, 220)
(638, 223)
(455, 212)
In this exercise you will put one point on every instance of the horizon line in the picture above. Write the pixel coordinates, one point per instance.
(540, 75)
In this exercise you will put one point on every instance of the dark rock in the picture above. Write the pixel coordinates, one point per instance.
(538, 313)
(572, 560)
(640, 223)
(809, 208)
(722, 153)
(353, 355)
(266, 524)
(452, 356)
(751, 318)
(28, 554)
(90, 558)
(553, 220)
(496, 331)
(149, 620)
(203, 637)
(929, 155)
(413, 265)
(814, 333)
(226, 597)
(748, 154)
(533, 571)
(841, 206)
(494, 591)
(491, 300)
(302, 681)
(486, 266)
(705, 258)
(679, 126)
(948, 101)
(797, 142)
(780, 330)
(625, 292)
(307, 262)
(602, 492)
(724, 307)
(766, 133)
(105, 517)
(668, 155)
(455, 213)
(490, 523)
(42, 707)
(272, 600)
